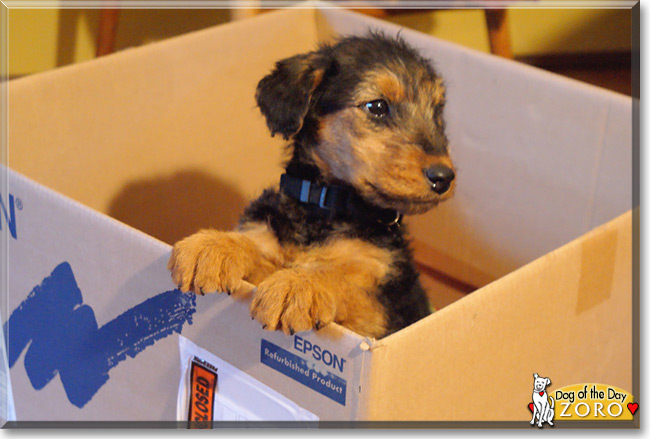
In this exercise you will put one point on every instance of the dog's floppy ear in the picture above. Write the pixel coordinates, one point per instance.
(548, 381)
(284, 95)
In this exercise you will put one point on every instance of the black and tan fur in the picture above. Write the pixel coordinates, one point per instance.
(313, 267)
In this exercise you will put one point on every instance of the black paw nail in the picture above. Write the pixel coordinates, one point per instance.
(291, 331)
(264, 326)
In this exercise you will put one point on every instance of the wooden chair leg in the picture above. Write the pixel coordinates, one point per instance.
(106, 35)
(498, 32)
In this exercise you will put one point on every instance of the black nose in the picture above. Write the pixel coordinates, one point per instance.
(440, 177)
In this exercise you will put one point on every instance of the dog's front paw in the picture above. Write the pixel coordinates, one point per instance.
(293, 301)
(211, 260)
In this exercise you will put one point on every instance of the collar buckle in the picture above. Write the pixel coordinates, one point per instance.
(306, 188)
(304, 191)
(341, 200)
(321, 201)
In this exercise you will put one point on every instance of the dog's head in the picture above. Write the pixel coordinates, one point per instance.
(367, 111)
(540, 383)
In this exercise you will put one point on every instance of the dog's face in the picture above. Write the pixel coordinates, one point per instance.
(367, 111)
(540, 383)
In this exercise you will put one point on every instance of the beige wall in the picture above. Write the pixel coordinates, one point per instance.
(44, 39)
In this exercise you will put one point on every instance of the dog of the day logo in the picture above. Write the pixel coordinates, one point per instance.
(579, 402)
(543, 405)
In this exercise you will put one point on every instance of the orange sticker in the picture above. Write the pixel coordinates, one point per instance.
(203, 383)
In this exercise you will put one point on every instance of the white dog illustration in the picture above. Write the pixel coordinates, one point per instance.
(543, 404)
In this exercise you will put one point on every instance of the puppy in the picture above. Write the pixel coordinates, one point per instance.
(543, 404)
(363, 118)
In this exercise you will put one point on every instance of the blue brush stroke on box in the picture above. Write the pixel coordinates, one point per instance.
(299, 369)
(66, 340)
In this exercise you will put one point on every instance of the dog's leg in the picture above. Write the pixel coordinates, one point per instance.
(336, 282)
(212, 260)
(537, 413)
(541, 413)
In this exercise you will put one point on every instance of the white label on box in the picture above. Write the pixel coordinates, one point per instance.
(238, 396)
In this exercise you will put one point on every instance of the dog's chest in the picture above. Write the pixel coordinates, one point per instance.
(539, 395)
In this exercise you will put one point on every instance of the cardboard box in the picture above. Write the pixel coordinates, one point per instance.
(166, 138)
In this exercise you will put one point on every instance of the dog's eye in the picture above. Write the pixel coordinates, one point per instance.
(378, 107)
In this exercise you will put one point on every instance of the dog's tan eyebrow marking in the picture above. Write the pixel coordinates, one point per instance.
(387, 84)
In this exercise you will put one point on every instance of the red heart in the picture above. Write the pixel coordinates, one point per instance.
(541, 393)
(531, 406)
(632, 407)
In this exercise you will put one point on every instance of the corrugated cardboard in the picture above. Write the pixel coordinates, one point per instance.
(167, 139)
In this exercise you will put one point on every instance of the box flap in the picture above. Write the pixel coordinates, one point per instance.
(567, 315)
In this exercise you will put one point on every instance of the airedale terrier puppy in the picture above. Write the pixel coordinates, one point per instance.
(364, 118)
